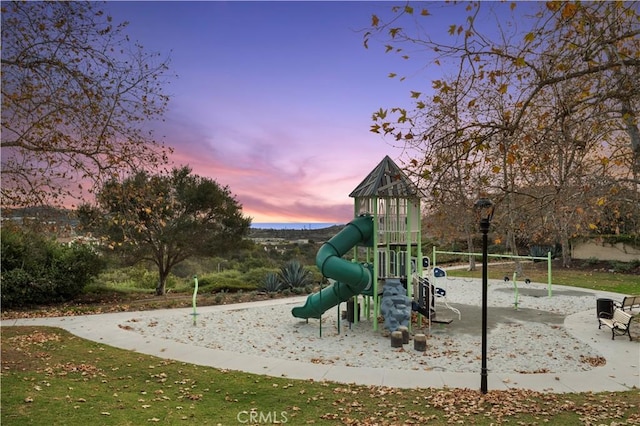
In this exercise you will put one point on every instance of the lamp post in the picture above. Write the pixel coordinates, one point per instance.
(484, 210)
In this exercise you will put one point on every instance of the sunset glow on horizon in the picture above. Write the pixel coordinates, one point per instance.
(275, 99)
(272, 99)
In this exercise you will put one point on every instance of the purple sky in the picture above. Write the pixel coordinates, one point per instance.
(274, 99)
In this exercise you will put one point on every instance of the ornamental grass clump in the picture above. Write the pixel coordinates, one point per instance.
(294, 276)
(271, 283)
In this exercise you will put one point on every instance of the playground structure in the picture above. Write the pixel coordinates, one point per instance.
(385, 237)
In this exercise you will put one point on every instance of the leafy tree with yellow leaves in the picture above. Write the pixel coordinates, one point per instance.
(165, 219)
(76, 96)
(538, 108)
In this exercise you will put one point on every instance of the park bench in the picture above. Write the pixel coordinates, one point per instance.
(629, 302)
(620, 323)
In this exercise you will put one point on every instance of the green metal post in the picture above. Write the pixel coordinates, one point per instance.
(193, 302)
(433, 259)
(376, 265)
(515, 285)
(549, 274)
(320, 319)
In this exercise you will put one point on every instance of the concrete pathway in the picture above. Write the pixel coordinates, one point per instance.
(621, 371)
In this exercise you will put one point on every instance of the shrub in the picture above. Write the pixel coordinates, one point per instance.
(294, 275)
(543, 251)
(14, 250)
(623, 267)
(200, 266)
(187, 268)
(229, 281)
(271, 283)
(144, 278)
(72, 269)
(132, 278)
(250, 262)
(16, 286)
(591, 261)
(315, 276)
(36, 270)
(256, 276)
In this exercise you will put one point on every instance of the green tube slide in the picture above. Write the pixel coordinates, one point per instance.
(351, 278)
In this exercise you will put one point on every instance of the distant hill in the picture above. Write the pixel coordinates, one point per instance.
(41, 214)
(64, 217)
(322, 234)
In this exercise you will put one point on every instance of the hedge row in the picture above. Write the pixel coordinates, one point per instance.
(36, 270)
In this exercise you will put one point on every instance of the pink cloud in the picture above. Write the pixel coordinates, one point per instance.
(301, 174)
(270, 193)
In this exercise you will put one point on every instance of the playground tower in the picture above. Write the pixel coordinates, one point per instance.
(385, 238)
(389, 196)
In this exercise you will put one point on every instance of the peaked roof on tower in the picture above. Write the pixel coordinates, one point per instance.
(386, 180)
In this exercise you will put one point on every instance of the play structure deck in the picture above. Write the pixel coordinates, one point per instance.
(385, 240)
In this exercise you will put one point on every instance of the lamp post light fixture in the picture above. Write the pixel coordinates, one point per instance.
(484, 210)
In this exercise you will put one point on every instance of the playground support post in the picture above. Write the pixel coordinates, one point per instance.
(549, 274)
(484, 208)
(193, 300)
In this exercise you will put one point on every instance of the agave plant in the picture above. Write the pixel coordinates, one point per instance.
(271, 283)
(294, 275)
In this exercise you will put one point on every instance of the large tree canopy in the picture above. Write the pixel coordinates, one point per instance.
(537, 107)
(76, 94)
(166, 219)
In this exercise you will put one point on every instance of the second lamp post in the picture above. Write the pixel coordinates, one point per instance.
(484, 209)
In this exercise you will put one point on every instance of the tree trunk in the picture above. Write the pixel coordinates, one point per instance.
(160, 288)
(513, 249)
(162, 282)
(470, 248)
(566, 251)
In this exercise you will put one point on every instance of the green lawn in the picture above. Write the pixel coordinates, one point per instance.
(537, 272)
(50, 377)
